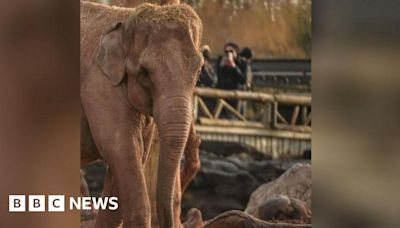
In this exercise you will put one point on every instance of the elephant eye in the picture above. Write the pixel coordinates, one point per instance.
(144, 76)
(143, 72)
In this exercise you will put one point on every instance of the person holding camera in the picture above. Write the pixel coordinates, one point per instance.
(231, 72)
(231, 69)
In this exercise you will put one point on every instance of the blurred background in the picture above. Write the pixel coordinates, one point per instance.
(272, 28)
(40, 107)
(356, 105)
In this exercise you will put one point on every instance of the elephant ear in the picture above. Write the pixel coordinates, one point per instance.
(111, 57)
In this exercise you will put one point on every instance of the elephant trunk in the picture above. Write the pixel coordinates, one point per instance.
(173, 117)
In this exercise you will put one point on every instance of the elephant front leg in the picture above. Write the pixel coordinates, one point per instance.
(109, 218)
(117, 133)
(120, 144)
(126, 165)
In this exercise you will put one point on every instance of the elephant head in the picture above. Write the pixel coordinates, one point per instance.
(154, 57)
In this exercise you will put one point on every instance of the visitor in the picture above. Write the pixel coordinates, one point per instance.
(247, 56)
(231, 71)
(207, 77)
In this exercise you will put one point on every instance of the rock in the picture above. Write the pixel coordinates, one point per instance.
(295, 183)
(239, 219)
(233, 219)
(194, 219)
(285, 209)
(226, 180)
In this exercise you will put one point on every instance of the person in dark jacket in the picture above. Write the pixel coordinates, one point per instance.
(231, 69)
(232, 72)
(207, 77)
(247, 56)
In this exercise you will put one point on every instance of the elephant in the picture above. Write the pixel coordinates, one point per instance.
(138, 65)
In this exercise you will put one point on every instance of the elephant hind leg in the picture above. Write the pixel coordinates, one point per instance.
(84, 186)
(86, 214)
(109, 218)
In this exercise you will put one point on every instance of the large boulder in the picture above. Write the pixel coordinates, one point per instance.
(234, 219)
(295, 184)
(225, 182)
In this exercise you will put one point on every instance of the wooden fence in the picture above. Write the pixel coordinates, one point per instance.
(272, 123)
(266, 114)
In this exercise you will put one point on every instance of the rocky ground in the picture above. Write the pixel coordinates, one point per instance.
(229, 174)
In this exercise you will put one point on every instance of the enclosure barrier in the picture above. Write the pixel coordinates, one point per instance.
(275, 124)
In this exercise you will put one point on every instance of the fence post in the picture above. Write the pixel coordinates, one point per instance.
(267, 115)
(303, 114)
(274, 117)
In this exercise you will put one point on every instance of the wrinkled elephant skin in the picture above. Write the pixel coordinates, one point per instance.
(137, 64)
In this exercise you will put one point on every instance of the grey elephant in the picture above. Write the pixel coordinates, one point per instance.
(137, 64)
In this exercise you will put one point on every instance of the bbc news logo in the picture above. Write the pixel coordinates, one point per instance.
(57, 203)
